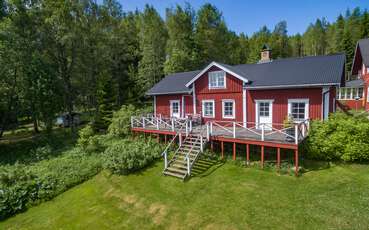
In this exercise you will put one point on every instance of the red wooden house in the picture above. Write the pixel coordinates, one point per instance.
(242, 105)
(266, 92)
(354, 94)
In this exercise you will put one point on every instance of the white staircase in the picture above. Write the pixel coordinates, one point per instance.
(185, 156)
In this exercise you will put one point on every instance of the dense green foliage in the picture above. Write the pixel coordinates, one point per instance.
(121, 122)
(22, 185)
(126, 156)
(58, 56)
(342, 137)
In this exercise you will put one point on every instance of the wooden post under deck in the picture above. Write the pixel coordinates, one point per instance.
(222, 148)
(212, 146)
(297, 162)
(278, 158)
(234, 150)
(247, 154)
(165, 139)
(262, 156)
(158, 138)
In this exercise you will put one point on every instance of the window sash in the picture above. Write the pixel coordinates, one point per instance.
(347, 93)
(217, 79)
(208, 108)
(228, 109)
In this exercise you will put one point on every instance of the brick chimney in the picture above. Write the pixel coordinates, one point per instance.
(265, 54)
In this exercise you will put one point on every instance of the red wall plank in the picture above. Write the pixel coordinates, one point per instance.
(280, 104)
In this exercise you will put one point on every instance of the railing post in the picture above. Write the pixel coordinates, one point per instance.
(211, 127)
(207, 131)
(296, 134)
(190, 125)
(262, 132)
(303, 129)
(157, 123)
(165, 160)
(186, 128)
(188, 166)
(180, 139)
(201, 144)
(131, 122)
(234, 129)
(143, 122)
(173, 124)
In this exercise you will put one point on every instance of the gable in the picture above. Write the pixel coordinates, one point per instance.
(227, 68)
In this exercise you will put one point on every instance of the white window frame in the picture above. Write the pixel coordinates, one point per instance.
(233, 109)
(217, 81)
(171, 107)
(351, 94)
(302, 100)
(203, 108)
(367, 94)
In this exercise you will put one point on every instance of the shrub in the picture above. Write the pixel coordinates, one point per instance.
(121, 122)
(85, 135)
(124, 156)
(341, 137)
(22, 185)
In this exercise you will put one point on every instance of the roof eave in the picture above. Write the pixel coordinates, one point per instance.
(166, 93)
(292, 86)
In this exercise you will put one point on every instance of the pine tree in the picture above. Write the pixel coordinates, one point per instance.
(211, 35)
(364, 25)
(348, 47)
(256, 42)
(279, 41)
(296, 45)
(152, 40)
(180, 45)
(106, 98)
(339, 32)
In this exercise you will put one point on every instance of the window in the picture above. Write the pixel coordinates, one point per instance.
(264, 109)
(350, 93)
(217, 79)
(228, 109)
(298, 109)
(208, 108)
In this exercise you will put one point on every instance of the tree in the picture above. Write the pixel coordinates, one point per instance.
(296, 46)
(364, 25)
(106, 102)
(211, 36)
(152, 41)
(279, 41)
(257, 41)
(180, 45)
(348, 47)
(339, 32)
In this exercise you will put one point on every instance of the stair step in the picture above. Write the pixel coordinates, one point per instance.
(177, 170)
(179, 165)
(174, 174)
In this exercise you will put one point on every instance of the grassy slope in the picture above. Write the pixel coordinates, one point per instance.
(228, 197)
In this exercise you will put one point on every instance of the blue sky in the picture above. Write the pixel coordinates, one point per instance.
(248, 16)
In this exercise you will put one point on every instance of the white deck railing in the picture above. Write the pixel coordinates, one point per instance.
(295, 133)
(159, 122)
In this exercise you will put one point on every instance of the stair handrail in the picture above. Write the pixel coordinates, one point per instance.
(165, 152)
(187, 158)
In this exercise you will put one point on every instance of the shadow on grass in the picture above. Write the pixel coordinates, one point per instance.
(205, 167)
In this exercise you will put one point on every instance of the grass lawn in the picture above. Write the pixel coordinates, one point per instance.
(224, 197)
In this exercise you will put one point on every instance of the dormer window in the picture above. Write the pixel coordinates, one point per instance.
(217, 79)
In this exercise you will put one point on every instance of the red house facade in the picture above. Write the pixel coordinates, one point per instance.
(264, 93)
(354, 94)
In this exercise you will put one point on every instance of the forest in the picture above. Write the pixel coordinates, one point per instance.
(60, 56)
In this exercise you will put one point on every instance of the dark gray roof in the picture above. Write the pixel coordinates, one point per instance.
(173, 83)
(364, 50)
(312, 70)
(354, 83)
(289, 72)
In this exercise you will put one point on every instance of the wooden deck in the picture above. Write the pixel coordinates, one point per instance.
(253, 136)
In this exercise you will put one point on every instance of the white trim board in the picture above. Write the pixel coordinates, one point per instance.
(220, 67)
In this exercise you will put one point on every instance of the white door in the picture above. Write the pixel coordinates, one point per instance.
(264, 114)
(175, 108)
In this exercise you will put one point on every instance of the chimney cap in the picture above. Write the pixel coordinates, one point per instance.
(265, 48)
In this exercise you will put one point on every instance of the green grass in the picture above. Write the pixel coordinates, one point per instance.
(223, 197)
